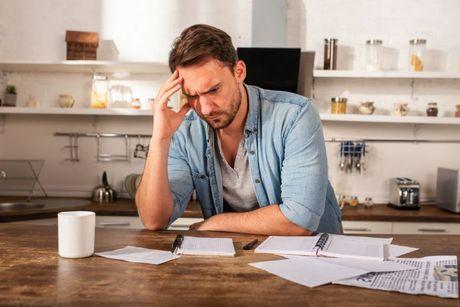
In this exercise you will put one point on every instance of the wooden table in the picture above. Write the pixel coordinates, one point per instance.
(32, 273)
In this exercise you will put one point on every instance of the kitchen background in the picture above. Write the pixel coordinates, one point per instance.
(133, 31)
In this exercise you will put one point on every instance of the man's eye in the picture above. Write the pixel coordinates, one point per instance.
(213, 90)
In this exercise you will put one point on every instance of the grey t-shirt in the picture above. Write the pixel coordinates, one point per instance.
(238, 189)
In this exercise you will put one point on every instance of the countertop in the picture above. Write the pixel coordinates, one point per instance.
(32, 273)
(126, 207)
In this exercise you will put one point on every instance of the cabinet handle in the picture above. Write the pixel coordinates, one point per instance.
(356, 229)
(115, 224)
(431, 230)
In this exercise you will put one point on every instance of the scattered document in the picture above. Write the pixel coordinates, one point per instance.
(436, 276)
(326, 245)
(317, 271)
(395, 251)
(363, 264)
(139, 255)
(308, 272)
(206, 246)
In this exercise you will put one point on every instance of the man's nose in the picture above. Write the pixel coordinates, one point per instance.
(206, 105)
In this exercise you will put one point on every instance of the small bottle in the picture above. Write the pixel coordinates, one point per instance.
(457, 110)
(330, 53)
(338, 105)
(354, 201)
(373, 55)
(136, 103)
(432, 109)
(368, 203)
(416, 52)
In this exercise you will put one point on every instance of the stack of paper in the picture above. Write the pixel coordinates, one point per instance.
(139, 255)
(316, 271)
(206, 246)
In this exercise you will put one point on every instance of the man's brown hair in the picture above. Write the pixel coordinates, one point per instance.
(199, 42)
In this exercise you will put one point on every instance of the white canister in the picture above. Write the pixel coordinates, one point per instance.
(76, 231)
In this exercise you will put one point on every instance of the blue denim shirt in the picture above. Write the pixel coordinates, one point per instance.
(287, 160)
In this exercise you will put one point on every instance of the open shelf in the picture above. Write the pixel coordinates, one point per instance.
(386, 74)
(86, 67)
(75, 111)
(327, 117)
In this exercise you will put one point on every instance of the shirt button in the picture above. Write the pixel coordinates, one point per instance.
(252, 152)
(257, 180)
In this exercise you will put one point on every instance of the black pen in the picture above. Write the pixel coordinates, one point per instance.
(177, 243)
(250, 244)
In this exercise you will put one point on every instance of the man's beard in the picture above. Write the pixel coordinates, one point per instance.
(225, 118)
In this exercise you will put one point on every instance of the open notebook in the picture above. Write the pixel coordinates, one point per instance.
(327, 245)
(186, 245)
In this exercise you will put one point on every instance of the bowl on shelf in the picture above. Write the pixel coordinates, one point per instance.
(66, 101)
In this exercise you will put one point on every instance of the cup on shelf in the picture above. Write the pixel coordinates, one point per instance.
(76, 231)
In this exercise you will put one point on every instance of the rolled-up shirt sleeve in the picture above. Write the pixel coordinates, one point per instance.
(179, 176)
(304, 171)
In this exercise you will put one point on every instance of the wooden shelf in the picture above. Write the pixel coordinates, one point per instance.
(327, 117)
(86, 67)
(75, 111)
(385, 74)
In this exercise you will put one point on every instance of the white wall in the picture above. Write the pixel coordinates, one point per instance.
(395, 22)
(143, 30)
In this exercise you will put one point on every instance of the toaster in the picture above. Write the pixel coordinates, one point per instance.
(404, 193)
(448, 189)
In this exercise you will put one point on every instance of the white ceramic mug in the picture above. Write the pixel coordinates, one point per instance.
(76, 233)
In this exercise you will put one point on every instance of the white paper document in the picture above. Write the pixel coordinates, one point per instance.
(316, 271)
(308, 272)
(139, 255)
(363, 264)
(437, 276)
(334, 246)
(207, 246)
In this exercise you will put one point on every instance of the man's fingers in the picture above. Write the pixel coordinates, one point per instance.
(166, 95)
(167, 86)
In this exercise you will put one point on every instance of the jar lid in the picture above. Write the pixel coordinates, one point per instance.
(374, 42)
(330, 39)
(338, 99)
(417, 41)
(432, 104)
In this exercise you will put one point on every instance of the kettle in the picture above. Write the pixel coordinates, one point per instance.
(104, 193)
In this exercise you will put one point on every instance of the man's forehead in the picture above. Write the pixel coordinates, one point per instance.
(201, 77)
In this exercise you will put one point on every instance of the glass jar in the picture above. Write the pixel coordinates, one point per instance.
(374, 55)
(432, 109)
(330, 53)
(100, 92)
(338, 105)
(457, 110)
(136, 103)
(416, 52)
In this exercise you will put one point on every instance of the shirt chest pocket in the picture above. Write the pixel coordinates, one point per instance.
(203, 190)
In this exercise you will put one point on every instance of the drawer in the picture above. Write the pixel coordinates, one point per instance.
(130, 222)
(366, 227)
(426, 228)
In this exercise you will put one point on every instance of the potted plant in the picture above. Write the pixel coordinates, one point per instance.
(10, 96)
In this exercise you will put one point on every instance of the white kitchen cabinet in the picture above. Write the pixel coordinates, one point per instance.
(426, 228)
(366, 227)
(127, 222)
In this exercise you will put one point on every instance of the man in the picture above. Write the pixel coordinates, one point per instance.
(255, 157)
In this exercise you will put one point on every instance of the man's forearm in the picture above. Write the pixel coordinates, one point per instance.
(268, 220)
(153, 197)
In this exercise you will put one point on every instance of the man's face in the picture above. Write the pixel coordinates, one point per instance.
(212, 90)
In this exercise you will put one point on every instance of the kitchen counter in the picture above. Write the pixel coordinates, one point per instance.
(32, 273)
(122, 207)
(126, 207)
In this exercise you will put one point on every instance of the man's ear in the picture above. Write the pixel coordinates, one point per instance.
(240, 71)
